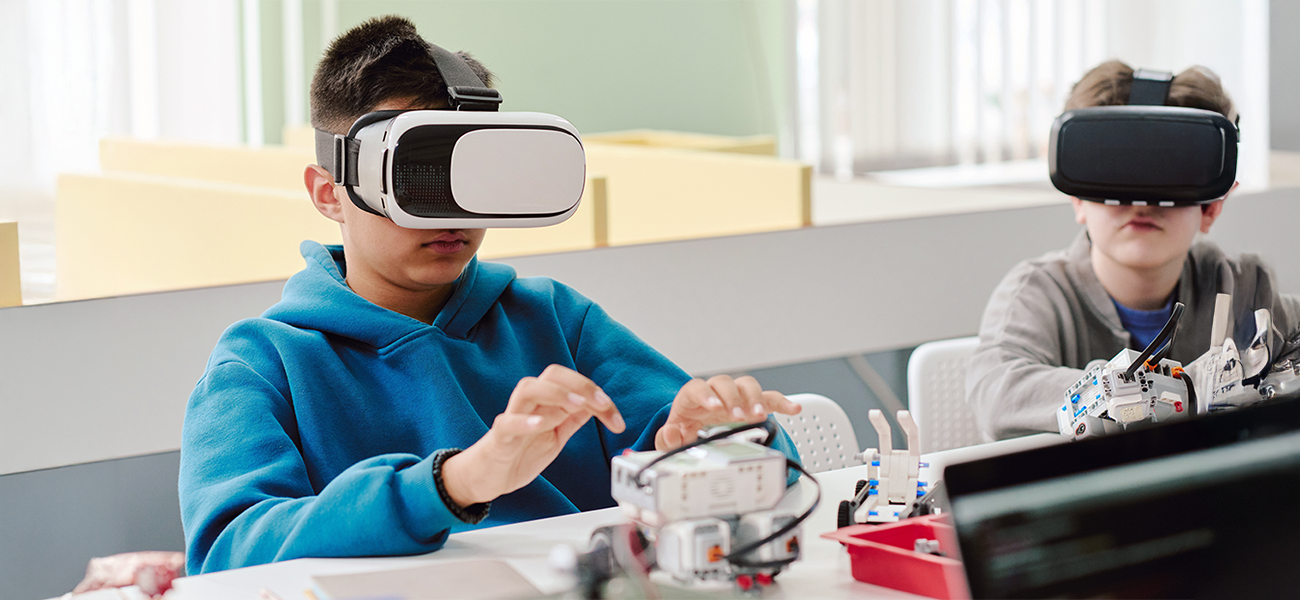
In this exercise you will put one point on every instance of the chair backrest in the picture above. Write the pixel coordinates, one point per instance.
(822, 433)
(936, 394)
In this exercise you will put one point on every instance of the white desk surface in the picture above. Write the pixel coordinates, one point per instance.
(822, 572)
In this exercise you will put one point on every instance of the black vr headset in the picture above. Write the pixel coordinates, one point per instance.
(1144, 153)
(470, 167)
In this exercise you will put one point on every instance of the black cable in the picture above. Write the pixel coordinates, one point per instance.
(1165, 332)
(787, 528)
(1169, 345)
(1191, 393)
(1160, 355)
(764, 424)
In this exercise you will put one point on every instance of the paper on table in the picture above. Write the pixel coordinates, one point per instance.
(487, 579)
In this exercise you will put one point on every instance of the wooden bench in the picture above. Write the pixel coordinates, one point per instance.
(662, 194)
(171, 233)
(661, 185)
(761, 145)
(279, 167)
(11, 289)
(128, 233)
(668, 185)
(187, 215)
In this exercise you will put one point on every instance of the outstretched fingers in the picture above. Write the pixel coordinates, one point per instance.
(743, 397)
(754, 398)
(561, 389)
(583, 393)
(777, 402)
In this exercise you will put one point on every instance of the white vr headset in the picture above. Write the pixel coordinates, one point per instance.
(470, 167)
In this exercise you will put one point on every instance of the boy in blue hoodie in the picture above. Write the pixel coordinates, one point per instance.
(401, 390)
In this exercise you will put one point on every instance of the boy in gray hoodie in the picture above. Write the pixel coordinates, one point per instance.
(1114, 287)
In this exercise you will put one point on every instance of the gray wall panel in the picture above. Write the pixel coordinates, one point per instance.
(769, 299)
(108, 378)
(1268, 224)
(1284, 75)
(52, 522)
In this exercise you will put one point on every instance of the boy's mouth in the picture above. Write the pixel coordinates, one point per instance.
(1143, 224)
(447, 243)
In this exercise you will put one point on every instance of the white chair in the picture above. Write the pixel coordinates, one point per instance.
(822, 433)
(936, 394)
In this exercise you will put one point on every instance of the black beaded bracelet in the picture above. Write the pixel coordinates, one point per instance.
(472, 514)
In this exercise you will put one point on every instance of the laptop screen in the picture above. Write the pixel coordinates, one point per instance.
(1204, 508)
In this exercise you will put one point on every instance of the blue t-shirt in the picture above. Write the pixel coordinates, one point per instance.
(1144, 325)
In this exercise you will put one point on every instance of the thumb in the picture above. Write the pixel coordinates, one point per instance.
(670, 436)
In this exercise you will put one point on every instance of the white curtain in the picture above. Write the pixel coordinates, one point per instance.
(75, 71)
(889, 84)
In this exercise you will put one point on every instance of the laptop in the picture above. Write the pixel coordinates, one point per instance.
(1202, 508)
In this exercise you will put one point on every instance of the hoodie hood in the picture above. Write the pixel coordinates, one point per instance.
(318, 298)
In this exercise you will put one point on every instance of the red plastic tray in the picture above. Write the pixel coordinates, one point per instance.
(884, 555)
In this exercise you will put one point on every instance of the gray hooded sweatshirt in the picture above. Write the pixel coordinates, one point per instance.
(1050, 317)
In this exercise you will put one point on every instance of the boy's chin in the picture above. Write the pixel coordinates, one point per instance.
(1142, 259)
(440, 272)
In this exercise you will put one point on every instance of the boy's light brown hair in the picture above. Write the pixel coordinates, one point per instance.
(1109, 84)
(381, 59)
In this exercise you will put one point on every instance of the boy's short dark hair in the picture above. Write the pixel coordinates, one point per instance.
(1109, 83)
(381, 59)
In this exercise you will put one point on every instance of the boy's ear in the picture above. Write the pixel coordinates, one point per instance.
(1210, 213)
(1079, 216)
(321, 188)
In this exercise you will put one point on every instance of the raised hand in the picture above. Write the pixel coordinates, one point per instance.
(721, 399)
(543, 413)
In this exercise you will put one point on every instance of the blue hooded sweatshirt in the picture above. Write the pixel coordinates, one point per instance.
(313, 429)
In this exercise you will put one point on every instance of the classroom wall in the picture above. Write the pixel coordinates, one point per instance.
(607, 65)
(708, 67)
(1284, 74)
(55, 520)
(102, 385)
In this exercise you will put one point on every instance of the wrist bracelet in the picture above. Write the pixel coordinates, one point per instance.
(472, 514)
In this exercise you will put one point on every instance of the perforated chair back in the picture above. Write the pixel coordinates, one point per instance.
(936, 394)
(822, 433)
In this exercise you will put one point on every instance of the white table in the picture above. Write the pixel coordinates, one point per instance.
(822, 572)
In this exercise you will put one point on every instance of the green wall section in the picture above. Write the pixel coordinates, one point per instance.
(271, 16)
(707, 66)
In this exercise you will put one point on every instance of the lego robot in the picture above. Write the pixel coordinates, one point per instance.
(704, 512)
(892, 487)
(1135, 389)
(1229, 376)
(1123, 392)
(1132, 388)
